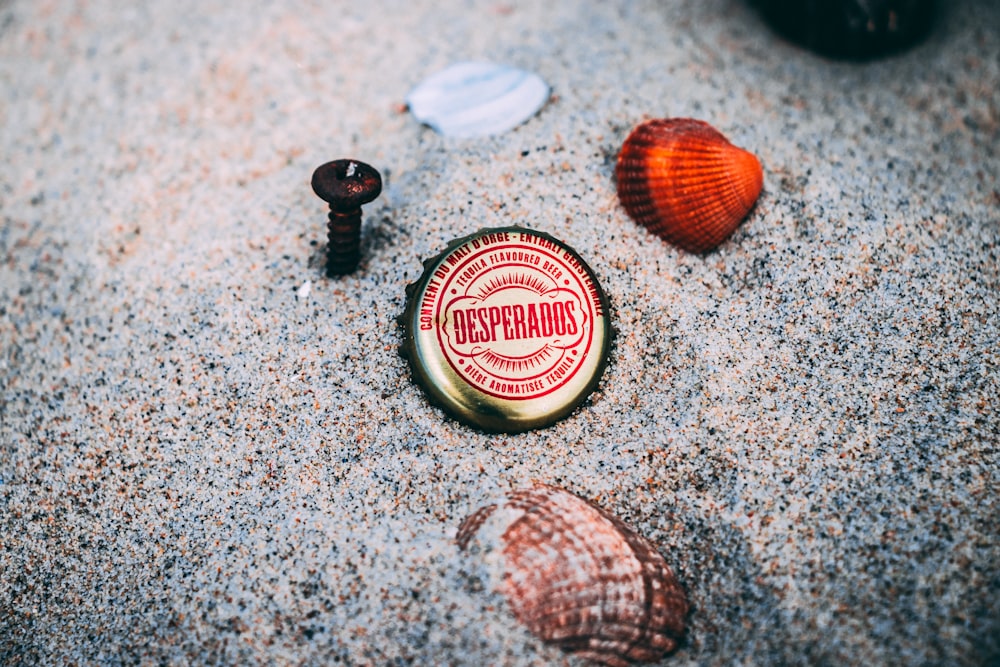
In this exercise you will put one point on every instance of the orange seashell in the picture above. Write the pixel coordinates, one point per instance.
(578, 577)
(682, 180)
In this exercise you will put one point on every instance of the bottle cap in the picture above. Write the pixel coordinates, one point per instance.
(507, 329)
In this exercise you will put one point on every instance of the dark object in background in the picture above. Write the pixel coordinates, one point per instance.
(850, 29)
(345, 185)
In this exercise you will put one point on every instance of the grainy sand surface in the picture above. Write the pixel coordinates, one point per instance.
(212, 454)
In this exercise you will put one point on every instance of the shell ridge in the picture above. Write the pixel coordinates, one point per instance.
(472, 523)
(644, 554)
(579, 577)
(556, 606)
(685, 182)
(648, 555)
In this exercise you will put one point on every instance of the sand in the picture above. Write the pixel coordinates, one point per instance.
(210, 453)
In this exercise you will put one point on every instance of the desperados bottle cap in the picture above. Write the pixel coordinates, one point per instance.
(507, 329)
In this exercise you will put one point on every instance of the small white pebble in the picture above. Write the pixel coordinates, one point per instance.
(303, 291)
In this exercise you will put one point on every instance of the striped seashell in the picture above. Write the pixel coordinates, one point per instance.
(686, 183)
(578, 577)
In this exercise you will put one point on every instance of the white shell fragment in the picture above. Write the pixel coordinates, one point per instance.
(477, 99)
(303, 291)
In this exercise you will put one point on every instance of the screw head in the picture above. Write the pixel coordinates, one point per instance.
(346, 184)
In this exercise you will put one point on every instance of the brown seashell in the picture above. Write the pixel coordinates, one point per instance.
(578, 577)
(682, 180)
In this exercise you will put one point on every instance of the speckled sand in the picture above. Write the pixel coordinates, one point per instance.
(210, 453)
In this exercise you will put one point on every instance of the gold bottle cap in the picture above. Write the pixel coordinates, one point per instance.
(507, 329)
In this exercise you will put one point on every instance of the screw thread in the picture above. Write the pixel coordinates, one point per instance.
(344, 242)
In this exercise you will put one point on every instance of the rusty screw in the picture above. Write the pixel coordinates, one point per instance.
(345, 185)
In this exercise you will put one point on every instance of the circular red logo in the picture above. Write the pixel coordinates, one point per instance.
(513, 313)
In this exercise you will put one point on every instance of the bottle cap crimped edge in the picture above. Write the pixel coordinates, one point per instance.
(507, 329)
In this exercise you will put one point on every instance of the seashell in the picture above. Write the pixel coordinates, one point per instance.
(477, 99)
(578, 577)
(686, 183)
